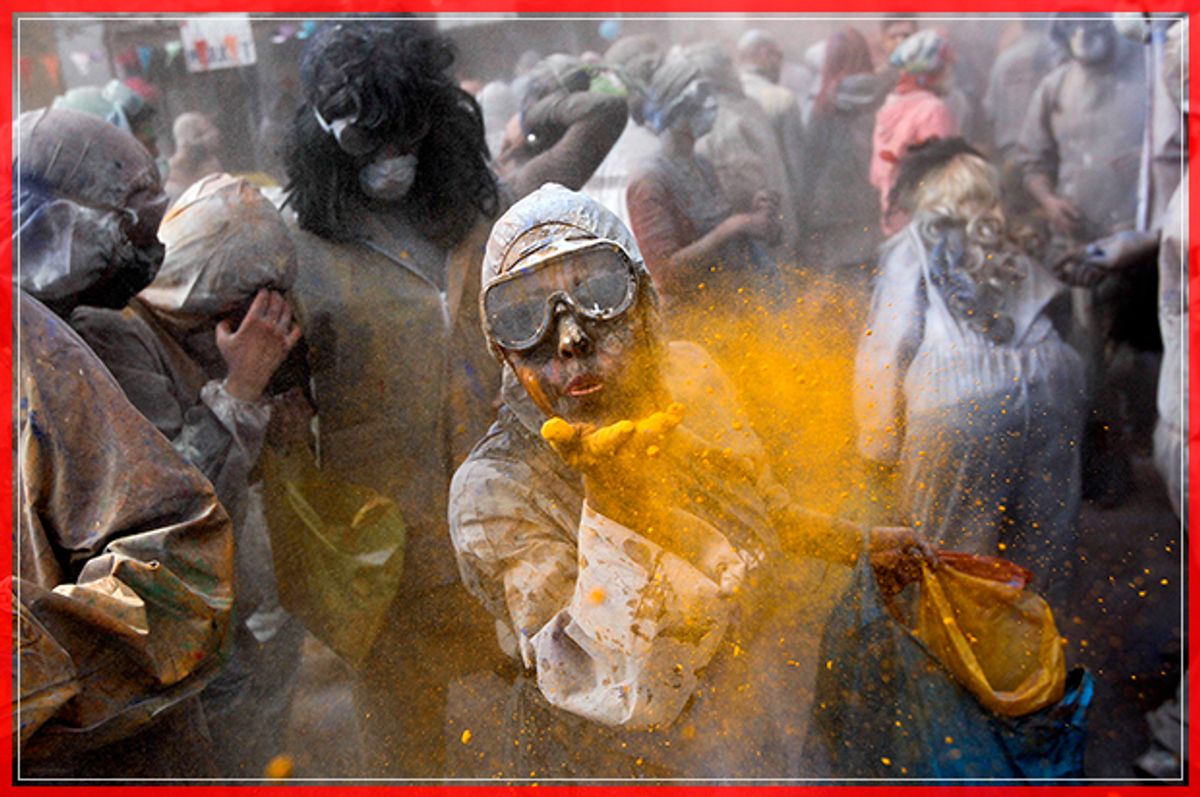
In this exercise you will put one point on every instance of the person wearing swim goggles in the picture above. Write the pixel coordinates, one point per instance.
(571, 309)
(620, 521)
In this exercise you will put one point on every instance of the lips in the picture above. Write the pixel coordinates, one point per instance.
(584, 385)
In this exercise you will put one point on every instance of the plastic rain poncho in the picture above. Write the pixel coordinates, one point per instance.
(123, 573)
(983, 421)
(615, 629)
(224, 243)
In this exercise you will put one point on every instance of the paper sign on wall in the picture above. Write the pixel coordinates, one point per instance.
(217, 42)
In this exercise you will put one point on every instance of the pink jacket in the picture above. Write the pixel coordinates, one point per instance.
(905, 119)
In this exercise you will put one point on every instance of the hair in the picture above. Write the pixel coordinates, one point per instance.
(946, 177)
(846, 53)
(398, 73)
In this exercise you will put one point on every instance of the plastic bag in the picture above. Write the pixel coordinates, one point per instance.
(995, 636)
(338, 551)
(885, 707)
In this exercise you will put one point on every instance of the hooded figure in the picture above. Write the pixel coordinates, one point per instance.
(1079, 152)
(1082, 136)
(394, 198)
(744, 150)
(225, 243)
(123, 578)
(962, 382)
(840, 208)
(697, 246)
(655, 612)
(914, 112)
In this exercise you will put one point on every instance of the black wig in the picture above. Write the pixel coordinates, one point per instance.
(393, 79)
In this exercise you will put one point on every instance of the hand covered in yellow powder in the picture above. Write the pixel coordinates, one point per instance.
(625, 473)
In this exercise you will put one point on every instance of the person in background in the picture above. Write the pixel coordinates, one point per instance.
(744, 151)
(1081, 169)
(394, 196)
(893, 30)
(913, 113)
(130, 104)
(962, 383)
(195, 352)
(197, 143)
(562, 101)
(760, 63)
(841, 209)
(123, 578)
(701, 253)
(1014, 79)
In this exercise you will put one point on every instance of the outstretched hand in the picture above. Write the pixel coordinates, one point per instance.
(624, 473)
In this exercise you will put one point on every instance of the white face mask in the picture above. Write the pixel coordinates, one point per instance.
(388, 179)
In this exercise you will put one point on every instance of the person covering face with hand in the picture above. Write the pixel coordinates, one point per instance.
(194, 352)
(620, 520)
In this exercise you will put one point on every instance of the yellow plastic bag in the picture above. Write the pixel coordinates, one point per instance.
(997, 638)
(338, 551)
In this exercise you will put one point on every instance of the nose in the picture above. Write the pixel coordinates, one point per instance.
(573, 341)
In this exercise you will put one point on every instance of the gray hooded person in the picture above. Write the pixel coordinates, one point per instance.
(1080, 153)
(745, 149)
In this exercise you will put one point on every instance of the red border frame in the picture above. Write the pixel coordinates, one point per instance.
(330, 7)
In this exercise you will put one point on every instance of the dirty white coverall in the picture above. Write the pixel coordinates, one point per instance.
(621, 632)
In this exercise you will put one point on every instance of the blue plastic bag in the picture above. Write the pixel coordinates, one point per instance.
(886, 708)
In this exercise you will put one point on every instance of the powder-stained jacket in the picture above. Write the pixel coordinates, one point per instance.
(124, 564)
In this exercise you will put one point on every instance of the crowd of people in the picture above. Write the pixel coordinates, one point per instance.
(638, 345)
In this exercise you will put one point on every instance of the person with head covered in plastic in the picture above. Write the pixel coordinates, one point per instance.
(194, 352)
(621, 523)
(962, 382)
(124, 571)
